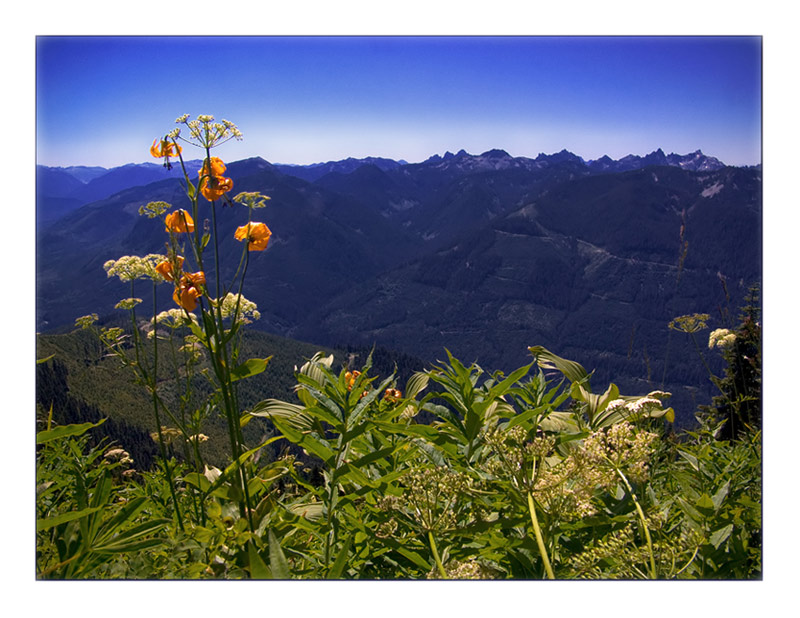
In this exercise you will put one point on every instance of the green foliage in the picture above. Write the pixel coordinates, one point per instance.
(508, 481)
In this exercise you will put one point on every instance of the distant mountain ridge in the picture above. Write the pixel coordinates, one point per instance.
(482, 254)
(94, 181)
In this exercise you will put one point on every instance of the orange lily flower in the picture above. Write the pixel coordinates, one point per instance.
(257, 235)
(165, 268)
(213, 185)
(215, 188)
(166, 149)
(179, 221)
(188, 290)
(217, 167)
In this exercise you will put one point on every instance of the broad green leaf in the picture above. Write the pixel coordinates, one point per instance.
(64, 431)
(249, 368)
(559, 422)
(573, 371)
(46, 524)
(720, 495)
(292, 413)
(307, 510)
(277, 560)
(306, 440)
(374, 456)
(416, 384)
(407, 553)
(704, 503)
(718, 537)
(526, 415)
(258, 569)
(348, 472)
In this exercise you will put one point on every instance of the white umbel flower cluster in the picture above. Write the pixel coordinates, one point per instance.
(721, 338)
(205, 132)
(131, 267)
(246, 308)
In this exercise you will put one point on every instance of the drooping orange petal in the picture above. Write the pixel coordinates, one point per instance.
(165, 268)
(186, 297)
(215, 187)
(179, 221)
(257, 235)
(187, 292)
(164, 148)
(217, 167)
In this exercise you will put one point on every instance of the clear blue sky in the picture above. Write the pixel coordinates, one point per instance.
(102, 100)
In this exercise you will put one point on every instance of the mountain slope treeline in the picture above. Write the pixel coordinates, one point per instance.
(484, 255)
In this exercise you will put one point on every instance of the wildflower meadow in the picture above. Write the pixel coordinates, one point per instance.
(455, 473)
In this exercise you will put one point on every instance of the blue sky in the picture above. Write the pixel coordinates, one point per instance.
(102, 100)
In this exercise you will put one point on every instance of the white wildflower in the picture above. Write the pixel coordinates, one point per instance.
(721, 338)
(131, 267)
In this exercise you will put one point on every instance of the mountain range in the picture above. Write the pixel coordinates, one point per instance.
(484, 255)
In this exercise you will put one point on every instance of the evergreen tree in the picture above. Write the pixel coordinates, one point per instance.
(738, 408)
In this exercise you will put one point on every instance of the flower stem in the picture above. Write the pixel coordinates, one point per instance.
(653, 572)
(539, 540)
(167, 468)
(438, 560)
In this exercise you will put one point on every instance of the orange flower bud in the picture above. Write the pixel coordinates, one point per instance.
(392, 394)
(350, 378)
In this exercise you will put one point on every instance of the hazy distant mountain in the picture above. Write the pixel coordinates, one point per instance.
(695, 161)
(346, 166)
(483, 254)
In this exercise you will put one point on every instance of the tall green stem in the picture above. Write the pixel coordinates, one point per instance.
(436, 558)
(154, 385)
(537, 531)
(653, 572)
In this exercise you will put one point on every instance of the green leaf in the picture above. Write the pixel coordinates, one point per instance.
(46, 524)
(277, 559)
(250, 368)
(292, 413)
(704, 504)
(411, 555)
(128, 511)
(718, 537)
(573, 371)
(63, 431)
(306, 441)
(129, 547)
(720, 495)
(416, 384)
(258, 569)
(348, 472)
(341, 560)
(125, 540)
